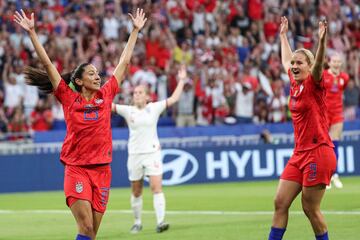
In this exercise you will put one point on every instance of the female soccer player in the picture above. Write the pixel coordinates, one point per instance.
(144, 149)
(335, 82)
(311, 166)
(87, 150)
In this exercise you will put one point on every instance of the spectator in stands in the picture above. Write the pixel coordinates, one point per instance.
(244, 107)
(277, 104)
(144, 158)
(13, 91)
(185, 115)
(17, 125)
(87, 113)
(41, 118)
(3, 122)
(75, 32)
(351, 100)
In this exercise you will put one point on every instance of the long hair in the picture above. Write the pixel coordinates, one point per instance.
(39, 78)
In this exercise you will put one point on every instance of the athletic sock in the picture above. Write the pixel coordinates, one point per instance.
(322, 237)
(276, 233)
(82, 237)
(159, 206)
(136, 205)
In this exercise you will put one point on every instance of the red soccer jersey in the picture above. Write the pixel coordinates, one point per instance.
(88, 130)
(308, 110)
(335, 86)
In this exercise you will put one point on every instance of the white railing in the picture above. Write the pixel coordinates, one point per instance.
(10, 148)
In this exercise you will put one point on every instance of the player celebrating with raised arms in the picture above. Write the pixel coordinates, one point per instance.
(335, 82)
(313, 162)
(87, 148)
(144, 149)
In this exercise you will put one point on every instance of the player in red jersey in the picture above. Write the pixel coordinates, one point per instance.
(87, 148)
(335, 82)
(313, 162)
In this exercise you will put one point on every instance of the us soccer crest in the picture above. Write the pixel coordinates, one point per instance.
(79, 187)
(99, 101)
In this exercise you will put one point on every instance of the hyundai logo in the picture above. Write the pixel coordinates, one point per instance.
(181, 165)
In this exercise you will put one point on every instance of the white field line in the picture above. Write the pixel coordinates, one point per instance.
(241, 213)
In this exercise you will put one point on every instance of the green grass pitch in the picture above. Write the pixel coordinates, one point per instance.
(200, 212)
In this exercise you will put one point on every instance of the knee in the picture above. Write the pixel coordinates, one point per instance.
(137, 193)
(156, 189)
(281, 204)
(310, 211)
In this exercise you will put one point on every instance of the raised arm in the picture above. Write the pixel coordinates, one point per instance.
(317, 68)
(28, 24)
(175, 96)
(138, 23)
(286, 53)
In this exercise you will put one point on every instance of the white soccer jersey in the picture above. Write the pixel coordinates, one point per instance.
(142, 124)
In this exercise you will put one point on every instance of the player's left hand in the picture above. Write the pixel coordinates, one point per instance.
(139, 20)
(322, 30)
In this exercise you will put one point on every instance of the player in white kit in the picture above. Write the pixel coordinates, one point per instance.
(144, 149)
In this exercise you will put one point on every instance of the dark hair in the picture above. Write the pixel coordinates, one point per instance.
(39, 78)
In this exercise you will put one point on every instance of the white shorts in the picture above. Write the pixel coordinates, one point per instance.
(145, 164)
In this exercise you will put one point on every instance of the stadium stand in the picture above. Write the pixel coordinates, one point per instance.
(231, 48)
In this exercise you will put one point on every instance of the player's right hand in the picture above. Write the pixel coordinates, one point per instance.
(284, 25)
(26, 23)
(182, 74)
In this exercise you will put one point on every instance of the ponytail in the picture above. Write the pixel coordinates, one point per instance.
(40, 79)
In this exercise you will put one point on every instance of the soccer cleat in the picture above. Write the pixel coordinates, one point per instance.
(162, 227)
(336, 181)
(136, 228)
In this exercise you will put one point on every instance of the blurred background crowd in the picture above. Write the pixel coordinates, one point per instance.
(231, 49)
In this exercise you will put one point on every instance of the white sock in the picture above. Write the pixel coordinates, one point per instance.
(136, 205)
(159, 206)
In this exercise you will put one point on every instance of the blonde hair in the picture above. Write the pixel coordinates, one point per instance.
(339, 55)
(308, 54)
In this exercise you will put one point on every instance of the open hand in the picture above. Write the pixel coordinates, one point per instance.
(139, 19)
(26, 23)
(284, 25)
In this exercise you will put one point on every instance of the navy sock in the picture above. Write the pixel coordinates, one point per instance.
(82, 237)
(322, 237)
(336, 145)
(276, 233)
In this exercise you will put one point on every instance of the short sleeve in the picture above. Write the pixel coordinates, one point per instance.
(64, 93)
(122, 110)
(346, 79)
(159, 107)
(111, 87)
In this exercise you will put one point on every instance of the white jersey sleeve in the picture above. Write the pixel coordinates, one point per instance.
(158, 107)
(122, 110)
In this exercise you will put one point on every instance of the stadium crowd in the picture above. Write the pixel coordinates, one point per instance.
(231, 49)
